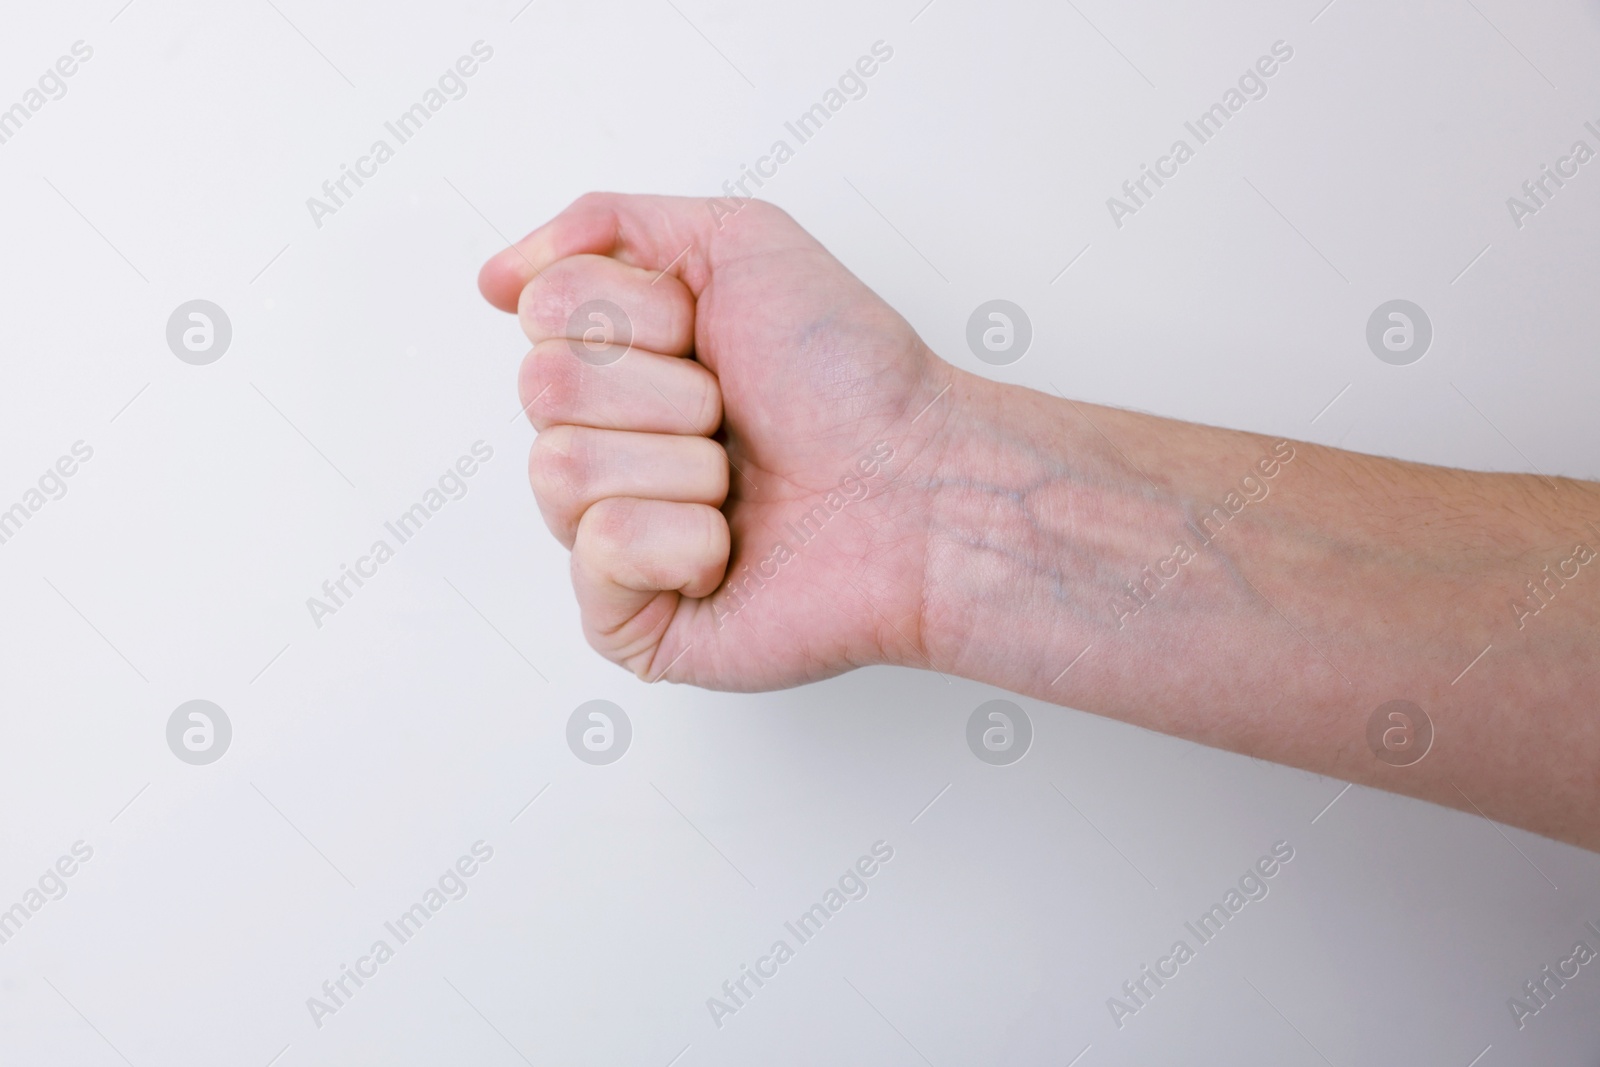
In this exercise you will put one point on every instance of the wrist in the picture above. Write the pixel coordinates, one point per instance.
(1045, 518)
(1016, 506)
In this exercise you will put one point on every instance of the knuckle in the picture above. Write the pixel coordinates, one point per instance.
(588, 206)
(551, 383)
(755, 220)
(556, 467)
(609, 527)
(548, 301)
(765, 213)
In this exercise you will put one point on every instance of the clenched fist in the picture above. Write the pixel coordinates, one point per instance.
(765, 478)
(736, 439)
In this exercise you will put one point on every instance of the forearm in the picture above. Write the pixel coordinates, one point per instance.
(1266, 597)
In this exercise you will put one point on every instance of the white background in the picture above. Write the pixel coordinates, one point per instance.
(370, 753)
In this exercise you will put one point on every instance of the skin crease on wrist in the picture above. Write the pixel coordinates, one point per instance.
(862, 502)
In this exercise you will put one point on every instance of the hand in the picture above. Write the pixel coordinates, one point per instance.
(745, 491)
(885, 507)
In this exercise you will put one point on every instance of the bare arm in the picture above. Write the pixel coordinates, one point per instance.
(1269, 597)
(767, 478)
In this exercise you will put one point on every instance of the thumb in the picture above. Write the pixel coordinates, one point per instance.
(666, 234)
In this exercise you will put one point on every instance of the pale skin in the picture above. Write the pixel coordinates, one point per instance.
(1025, 540)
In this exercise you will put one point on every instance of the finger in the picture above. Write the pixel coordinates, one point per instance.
(620, 389)
(632, 560)
(656, 233)
(585, 296)
(572, 467)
